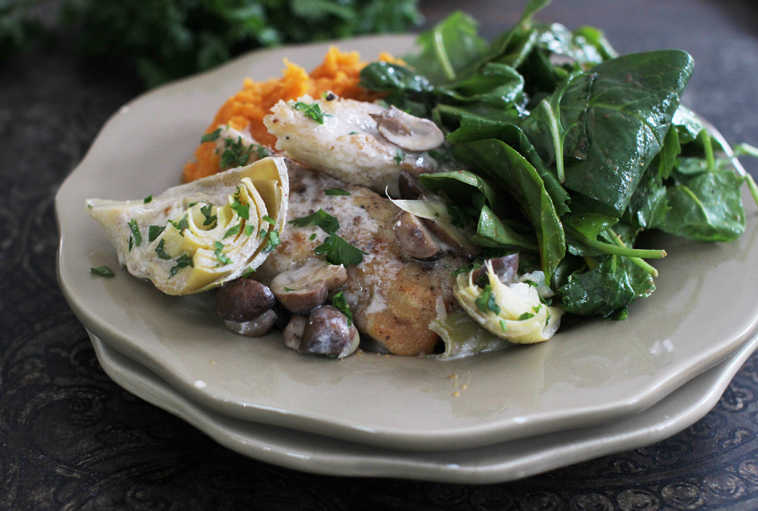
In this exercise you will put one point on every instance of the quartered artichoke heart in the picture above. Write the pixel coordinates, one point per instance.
(197, 236)
(511, 311)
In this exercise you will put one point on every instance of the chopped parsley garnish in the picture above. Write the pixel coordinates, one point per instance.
(136, 235)
(526, 315)
(336, 191)
(273, 241)
(148, 199)
(288, 289)
(321, 218)
(235, 154)
(248, 271)
(261, 151)
(154, 231)
(502, 325)
(338, 300)
(161, 250)
(222, 258)
(131, 243)
(486, 301)
(338, 251)
(231, 231)
(182, 261)
(249, 229)
(206, 211)
(312, 111)
(242, 210)
(537, 308)
(399, 157)
(182, 224)
(210, 137)
(532, 283)
(312, 236)
(268, 219)
(353, 133)
(102, 271)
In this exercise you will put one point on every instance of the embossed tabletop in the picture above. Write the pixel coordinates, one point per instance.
(72, 439)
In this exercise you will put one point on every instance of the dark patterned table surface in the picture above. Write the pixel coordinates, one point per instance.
(71, 439)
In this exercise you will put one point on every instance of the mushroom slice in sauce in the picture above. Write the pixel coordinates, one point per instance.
(414, 238)
(307, 287)
(407, 131)
(293, 332)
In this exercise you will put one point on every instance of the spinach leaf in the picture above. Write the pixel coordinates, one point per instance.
(611, 285)
(559, 40)
(706, 206)
(458, 185)
(687, 123)
(616, 118)
(386, 77)
(596, 38)
(496, 84)
(448, 48)
(510, 170)
(491, 232)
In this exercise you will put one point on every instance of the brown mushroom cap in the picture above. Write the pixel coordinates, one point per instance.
(327, 333)
(414, 238)
(257, 327)
(243, 300)
(304, 288)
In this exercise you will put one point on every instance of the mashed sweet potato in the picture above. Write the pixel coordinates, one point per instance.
(339, 73)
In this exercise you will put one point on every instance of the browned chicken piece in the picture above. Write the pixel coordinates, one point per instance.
(392, 297)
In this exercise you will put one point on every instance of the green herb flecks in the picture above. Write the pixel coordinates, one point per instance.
(211, 136)
(148, 199)
(161, 250)
(310, 110)
(339, 301)
(136, 235)
(272, 241)
(242, 210)
(525, 316)
(182, 224)
(232, 231)
(338, 251)
(399, 157)
(207, 211)
(222, 258)
(320, 218)
(485, 302)
(102, 271)
(182, 261)
(235, 154)
(336, 191)
(248, 271)
(154, 231)
(268, 220)
(249, 229)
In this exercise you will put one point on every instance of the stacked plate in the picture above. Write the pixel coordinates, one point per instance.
(596, 388)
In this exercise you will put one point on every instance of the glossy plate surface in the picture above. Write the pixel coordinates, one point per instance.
(706, 306)
(491, 464)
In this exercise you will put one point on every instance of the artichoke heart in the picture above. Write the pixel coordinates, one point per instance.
(196, 236)
(511, 311)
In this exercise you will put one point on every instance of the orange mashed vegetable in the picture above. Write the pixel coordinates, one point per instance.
(339, 73)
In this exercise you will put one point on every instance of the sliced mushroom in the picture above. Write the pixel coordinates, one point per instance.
(408, 185)
(414, 239)
(506, 269)
(327, 333)
(243, 300)
(293, 333)
(408, 131)
(307, 287)
(257, 327)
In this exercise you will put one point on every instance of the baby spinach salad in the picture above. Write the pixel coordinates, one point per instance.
(570, 152)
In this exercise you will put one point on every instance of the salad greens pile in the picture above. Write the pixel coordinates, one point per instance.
(571, 152)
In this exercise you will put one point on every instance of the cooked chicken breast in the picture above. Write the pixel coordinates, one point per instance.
(342, 138)
(392, 297)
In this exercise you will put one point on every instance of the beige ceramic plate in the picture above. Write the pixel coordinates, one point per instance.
(491, 464)
(705, 307)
